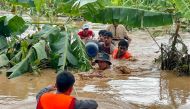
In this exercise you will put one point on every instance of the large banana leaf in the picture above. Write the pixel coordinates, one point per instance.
(12, 25)
(3, 60)
(39, 4)
(59, 44)
(46, 31)
(16, 24)
(40, 50)
(83, 2)
(66, 8)
(16, 59)
(76, 7)
(183, 6)
(78, 50)
(63, 51)
(25, 3)
(25, 65)
(4, 30)
(130, 16)
(3, 43)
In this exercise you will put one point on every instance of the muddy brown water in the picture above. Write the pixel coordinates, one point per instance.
(145, 88)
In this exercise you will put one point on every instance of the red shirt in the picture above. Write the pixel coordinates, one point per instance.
(83, 35)
(127, 55)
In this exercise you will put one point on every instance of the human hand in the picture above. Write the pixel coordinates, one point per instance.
(132, 59)
(51, 87)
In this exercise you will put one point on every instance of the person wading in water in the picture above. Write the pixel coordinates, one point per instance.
(62, 98)
(119, 31)
(122, 51)
(103, 61)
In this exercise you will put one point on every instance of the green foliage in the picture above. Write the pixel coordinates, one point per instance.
(183, 6)
(59, 45)
(67, 51)
(78, 50)
(24, 48)
(40, 50)
(12, 25)
(4, 60)
(81, 3)
(37, 52)
(159, 5)
(23, 66)
(3, 43)
(130, 16)
(25, 3)
(39, 4)
(16, 59)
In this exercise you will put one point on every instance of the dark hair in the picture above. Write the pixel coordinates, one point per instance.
(109, 34)
(123, 42)
(64, 81)
(101, 32)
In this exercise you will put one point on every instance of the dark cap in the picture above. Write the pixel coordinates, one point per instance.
(103, 57)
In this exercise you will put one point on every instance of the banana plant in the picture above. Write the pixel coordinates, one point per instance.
(130, 16)
(9, 27)
(182, 6)
(37, 52)
(3, 60)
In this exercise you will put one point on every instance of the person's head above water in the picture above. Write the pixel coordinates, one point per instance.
(101, 32)
(103, 60)
(123, 46)
(101, 35)
(64, 82)
(85, 28)
(108, 38)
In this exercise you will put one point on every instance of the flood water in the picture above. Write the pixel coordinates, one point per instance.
(145, 88)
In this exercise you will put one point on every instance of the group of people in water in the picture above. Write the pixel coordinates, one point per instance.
(107, 40)
(106, 44)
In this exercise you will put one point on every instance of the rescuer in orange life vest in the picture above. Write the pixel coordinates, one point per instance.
(62, 99)
(122, 51)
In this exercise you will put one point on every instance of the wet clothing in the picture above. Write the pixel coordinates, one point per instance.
(127, 55)
(89, 34)
(56, 101)
(107, 50)
(48, 100)
(118, 32)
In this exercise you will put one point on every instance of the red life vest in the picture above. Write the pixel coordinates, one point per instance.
(127, 55)
(56, 101)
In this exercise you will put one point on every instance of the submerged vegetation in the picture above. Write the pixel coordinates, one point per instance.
(50, 46)
(57, 45)
(174, 56)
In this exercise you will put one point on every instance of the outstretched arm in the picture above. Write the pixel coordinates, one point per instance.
(44, 90)
(86, 104)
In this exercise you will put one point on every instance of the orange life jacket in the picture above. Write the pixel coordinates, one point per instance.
(56, 101)
(127, 55)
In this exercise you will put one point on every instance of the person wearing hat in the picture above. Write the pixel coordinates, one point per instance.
(103, 61)
(86, 33)
(122, 51)
(107, 45)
